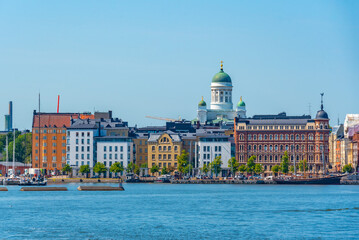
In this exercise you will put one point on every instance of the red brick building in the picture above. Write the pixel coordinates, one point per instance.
(49, 139)
(19, 167)
(269, 136)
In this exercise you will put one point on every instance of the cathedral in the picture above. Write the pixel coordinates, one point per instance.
(221, 108)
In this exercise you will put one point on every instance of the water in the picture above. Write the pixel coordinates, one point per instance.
(165, 211)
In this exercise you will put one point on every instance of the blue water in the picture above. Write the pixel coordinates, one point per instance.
(165, 211)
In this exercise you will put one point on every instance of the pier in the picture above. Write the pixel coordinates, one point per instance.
(40, 189)
(100, 188)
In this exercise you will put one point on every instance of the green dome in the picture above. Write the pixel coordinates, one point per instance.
(202, 103)
(221, 77)
(241, 103)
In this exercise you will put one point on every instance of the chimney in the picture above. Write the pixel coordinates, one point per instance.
(109, 114)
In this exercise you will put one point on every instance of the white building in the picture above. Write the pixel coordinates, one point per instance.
(211, 146)
(111, 149)
(221, 108)
(80, 144)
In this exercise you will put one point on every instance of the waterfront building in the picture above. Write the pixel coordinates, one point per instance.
(141, 149)
(80, 143)
(98, 140)
(334, 146)
(221, 107)
(163, 149)
(211, 146)
(269, 136)
(20, 168)
(49, 139)
(113, 149)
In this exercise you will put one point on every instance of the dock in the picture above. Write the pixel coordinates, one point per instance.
(99, 188)
(3, 189)
(40, 189)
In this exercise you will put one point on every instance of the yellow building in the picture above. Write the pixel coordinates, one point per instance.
(140, 144)
(163, 149)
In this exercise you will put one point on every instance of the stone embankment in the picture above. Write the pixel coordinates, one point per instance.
(213, 181)
(82, 180)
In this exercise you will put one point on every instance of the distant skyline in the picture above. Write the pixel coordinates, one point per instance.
(157, 58)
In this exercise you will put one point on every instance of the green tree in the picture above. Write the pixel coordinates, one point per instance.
(234, 165)
(154, 169)
(205, 169)
(242, 168)
(216, 165)
(284, 166)
(251, 164)
(99, 168)
(258, 168)
(130, 167)
(23, 147)
(347, 168)
(303, 166)
(171, 169)
(85, 169)
(164, 171)
(116, 168)
(67, 169)
(182, 162)
(136, 169)
(276, 169)
(144, 165)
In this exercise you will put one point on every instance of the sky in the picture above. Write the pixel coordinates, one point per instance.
(157, 58)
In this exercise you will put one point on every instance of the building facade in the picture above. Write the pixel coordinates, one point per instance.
(268, 136)
(49, 139)
(163, 149)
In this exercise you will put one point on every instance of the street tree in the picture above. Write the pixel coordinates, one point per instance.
(205, 169)
(85, 169)
(258, 168)
(154, 169)
(251, 164)
(242, 168)
(234, 165)
(67, 169)
(216, 165)
(276, 169)
(284, 166)
(164, 171)
(100, 168)
(182, 162)
(347, 168)
(116, 168)
(130, 167)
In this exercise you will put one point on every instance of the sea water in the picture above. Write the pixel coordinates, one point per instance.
(169, 211)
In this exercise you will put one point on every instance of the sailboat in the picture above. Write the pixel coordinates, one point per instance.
(12, 179)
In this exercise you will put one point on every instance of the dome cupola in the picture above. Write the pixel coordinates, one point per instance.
(321, 114)
(202, 103)
(241, 103)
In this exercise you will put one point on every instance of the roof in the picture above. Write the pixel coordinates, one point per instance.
(57, 119)
(17, 164)
(275, 121)
(155, 136)
(221, 77)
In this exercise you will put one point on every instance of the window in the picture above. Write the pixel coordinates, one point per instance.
(77, 134)
(82, 134)
(116, 148)
(176, 148)
(110, 156)
(160, 148)
(121, 148)
(153, 148)
(82, 141)
(88, 156)
(88, 141)
(104, 148)
(82, 148)
(77, 141)
(77, 148)
(77, 156)
(88, 148)
(88, 134)
(116, 156)
(104, 156)
(110, 148)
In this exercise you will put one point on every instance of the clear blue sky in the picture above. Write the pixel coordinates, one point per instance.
(157, 58)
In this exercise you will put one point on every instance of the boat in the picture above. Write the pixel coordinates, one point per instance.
(132, 178)
(163, 179)
(12, 180)
(325, 180)
(33, 182)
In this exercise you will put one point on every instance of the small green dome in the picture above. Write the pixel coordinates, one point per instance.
(221, 77)
(241, 103)
(202, 103)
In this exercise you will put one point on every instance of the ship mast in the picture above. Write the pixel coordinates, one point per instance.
(13, 155)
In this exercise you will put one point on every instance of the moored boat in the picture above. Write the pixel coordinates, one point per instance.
(326, 180)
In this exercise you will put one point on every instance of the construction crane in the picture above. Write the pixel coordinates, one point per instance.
(165, 119)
